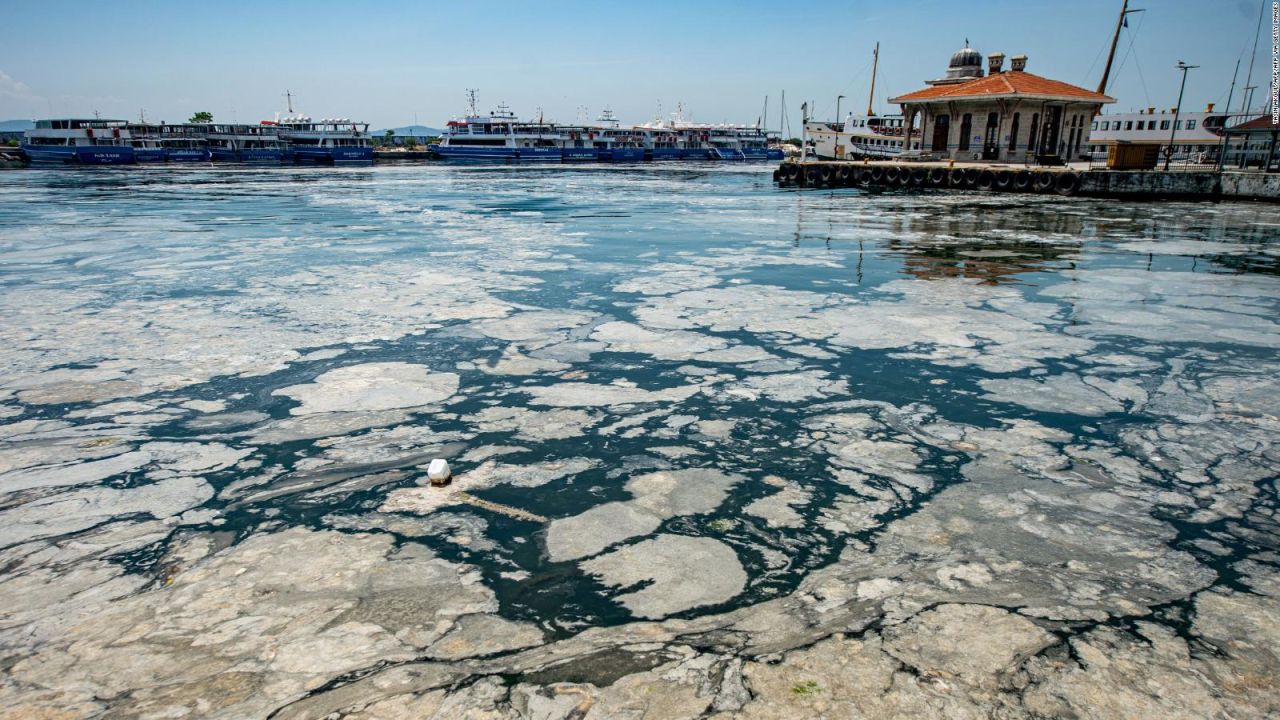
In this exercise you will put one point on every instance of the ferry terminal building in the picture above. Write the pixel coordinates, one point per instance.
(1009, 116)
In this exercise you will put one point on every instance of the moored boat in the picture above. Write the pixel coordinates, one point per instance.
(245, 143)
(73, 141)
(329, 141)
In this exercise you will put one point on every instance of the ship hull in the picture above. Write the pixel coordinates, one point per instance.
(546, 154)
(620, 155)
(79, 155)
(334, 156)
(577, 154)
(187, 156)
(447, 152)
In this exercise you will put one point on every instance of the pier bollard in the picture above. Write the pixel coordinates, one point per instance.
(438, 472)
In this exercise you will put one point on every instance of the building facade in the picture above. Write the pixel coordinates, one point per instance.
(1000, 115)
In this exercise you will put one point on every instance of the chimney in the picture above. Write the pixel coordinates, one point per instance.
(1018, 63)
(1210, 108)
(995, 63)
(1151, 111)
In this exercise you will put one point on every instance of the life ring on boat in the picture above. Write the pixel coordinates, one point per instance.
(1004, 180)
(956, 177)
(1068, 183)
(877, 175)
(971, 176)
(986, 180)
(938, 177)
(865, 177)
(891, 175)
(1022, 181)
(845, 175)
(919, 177)
(1044, 181)
(812, 176)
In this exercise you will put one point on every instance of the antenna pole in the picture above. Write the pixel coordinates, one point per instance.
(1248, 78)
(871, 97)
(288, 96)
(1222, 146)
(1115, 41)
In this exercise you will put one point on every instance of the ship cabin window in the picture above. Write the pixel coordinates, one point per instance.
(1128, 125)
(477, 141)
(1164, 125)
(1177, 125)
(1191, 124)
(1106, 125)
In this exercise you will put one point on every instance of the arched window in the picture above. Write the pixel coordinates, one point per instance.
(966, 129)
(941, 132)
(1013, 132)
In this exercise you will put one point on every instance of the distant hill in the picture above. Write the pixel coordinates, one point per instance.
(410, 130)
(15, 125)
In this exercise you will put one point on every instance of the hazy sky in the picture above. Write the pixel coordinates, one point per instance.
(392, 62)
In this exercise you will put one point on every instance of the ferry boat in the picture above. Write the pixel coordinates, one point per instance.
(620, 144)
(1198, 137)
(245, 143)
(875, 137)
(759, 144)
(79, 141)
(579, 143)
(660, 143)
(724, 144)
(500, 136)
(858, 137)
(329, 141)
(168, 143)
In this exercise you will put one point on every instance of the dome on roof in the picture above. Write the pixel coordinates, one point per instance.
(966, 64)
(966, 57)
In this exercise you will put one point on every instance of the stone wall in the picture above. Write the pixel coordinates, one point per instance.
(1155, 183)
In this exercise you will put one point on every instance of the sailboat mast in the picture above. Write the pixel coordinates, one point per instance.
(1111, 56)
(871, 98)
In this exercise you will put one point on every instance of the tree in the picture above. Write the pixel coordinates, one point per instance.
(204, 116)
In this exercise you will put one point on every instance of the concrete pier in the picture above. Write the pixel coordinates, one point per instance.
(992, 177)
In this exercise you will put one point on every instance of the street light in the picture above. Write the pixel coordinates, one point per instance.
(1168, 156)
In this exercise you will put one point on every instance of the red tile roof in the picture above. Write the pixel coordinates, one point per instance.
(1259, 123)
(1006, 84)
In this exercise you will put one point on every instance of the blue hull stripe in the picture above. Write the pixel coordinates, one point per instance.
(80, 154)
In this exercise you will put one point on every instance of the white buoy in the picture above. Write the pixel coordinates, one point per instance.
(438, 472)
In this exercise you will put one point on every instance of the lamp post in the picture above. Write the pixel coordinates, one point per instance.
(1168, 156)
(839, 126)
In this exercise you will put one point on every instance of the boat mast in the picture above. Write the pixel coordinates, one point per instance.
(875, 63)
(288, 96)
(1115, 41)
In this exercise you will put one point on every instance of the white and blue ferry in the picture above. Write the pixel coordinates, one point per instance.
(168, 143)
(245, 143)
(80, 142)
(330, 141)
(502, 136)
(661, 143)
